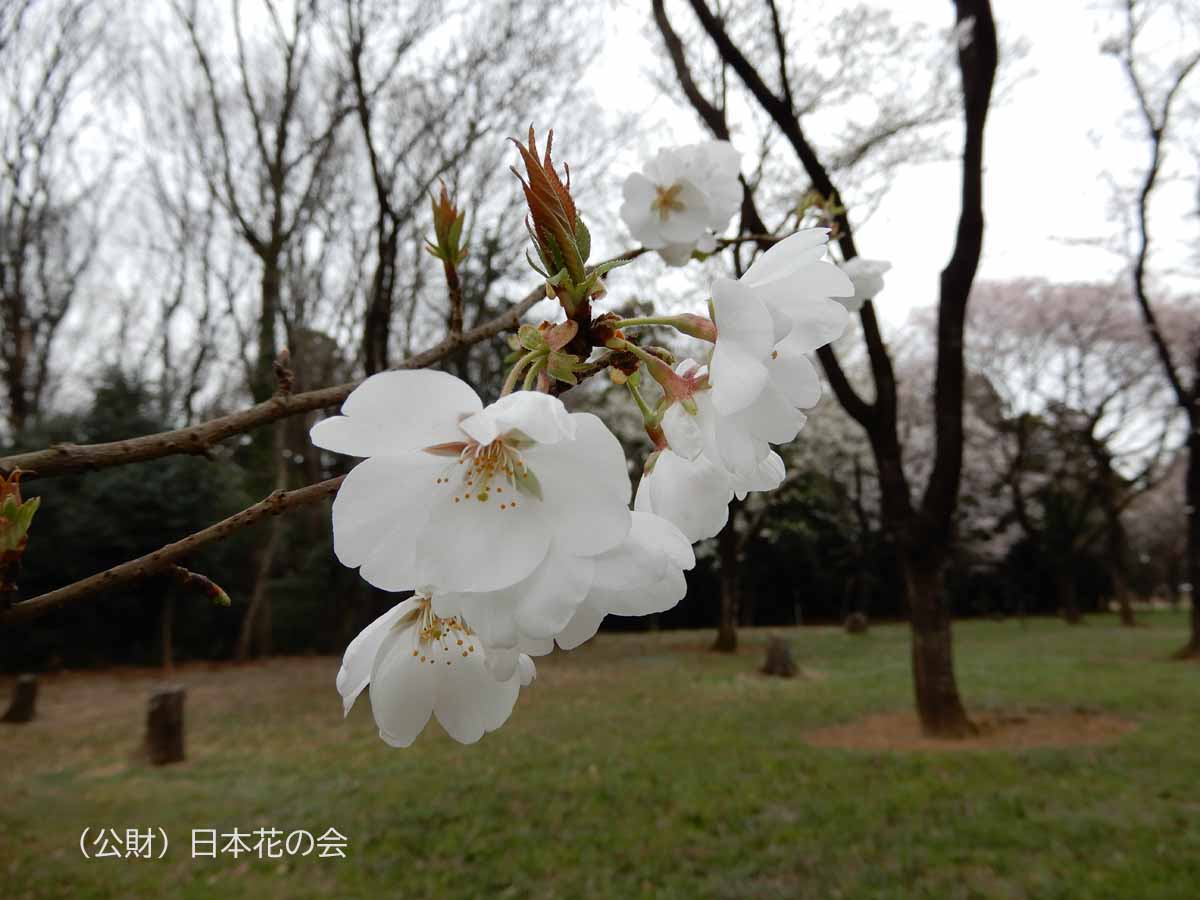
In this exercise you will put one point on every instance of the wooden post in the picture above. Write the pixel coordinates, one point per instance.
(164, 726)
(779, 659)
(24, 700)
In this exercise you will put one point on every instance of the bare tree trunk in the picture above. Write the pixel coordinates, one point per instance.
(1125, 608)
(1192, 649)
(24, 700)
(727, 550)
(1067, 597)
(164, 726)
(256, 624)
(267, 352)
(938, 704)
(779, 660)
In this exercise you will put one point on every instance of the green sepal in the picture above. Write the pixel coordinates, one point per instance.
(562, 366)
(561, 334)
(531, 338)
(527, 483)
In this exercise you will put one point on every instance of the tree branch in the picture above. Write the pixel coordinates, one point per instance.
(162, 560)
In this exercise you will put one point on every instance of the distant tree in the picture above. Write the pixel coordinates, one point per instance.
(52, 181)
(1083, 423)
(1160, 78)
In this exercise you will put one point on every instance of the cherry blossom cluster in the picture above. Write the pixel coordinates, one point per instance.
(511, 524)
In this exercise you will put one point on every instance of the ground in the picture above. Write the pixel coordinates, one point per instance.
(640, 765)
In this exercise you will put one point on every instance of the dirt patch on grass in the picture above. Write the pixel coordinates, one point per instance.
(997, 731)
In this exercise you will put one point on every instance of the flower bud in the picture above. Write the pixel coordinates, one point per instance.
(15, 518)
(447, 230)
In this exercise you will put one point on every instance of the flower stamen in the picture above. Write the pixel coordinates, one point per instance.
(666, 200)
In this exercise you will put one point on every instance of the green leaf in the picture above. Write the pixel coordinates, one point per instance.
(534, 266)
(583, 239)
(531, 338)
(606, 267)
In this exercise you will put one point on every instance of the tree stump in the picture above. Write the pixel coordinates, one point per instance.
(779, 659)
(24, 700)
(856, 623)
(164, 726)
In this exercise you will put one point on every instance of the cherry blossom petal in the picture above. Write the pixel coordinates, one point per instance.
(657, 597)
(692, 495)
(687, 224)
(378, 513)
(586, 486)
(781, 261)
(770, 418)
(675, 254)
(654, 546)
(582, 627)
(738, 449)
(490, 614)
(394, 412)
(526, 670)
(475, 545)
(637, 211)
(537, 416)
(794, 376)
(402, 688)
(745, 336)
(469, 702)
(552, 595)
(359, 658)
(766, 477)
(817, 323)
(682, 431)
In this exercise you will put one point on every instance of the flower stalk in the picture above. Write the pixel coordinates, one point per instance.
(687, 323)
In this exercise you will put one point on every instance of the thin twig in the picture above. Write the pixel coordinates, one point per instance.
(162, 559)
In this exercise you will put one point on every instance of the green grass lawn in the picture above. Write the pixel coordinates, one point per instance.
(636, 766)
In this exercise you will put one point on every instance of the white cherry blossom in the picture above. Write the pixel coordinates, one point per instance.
(640, 576)
(740, 443)
(867, 277)
(417, 665)
(683, 196)
(454, 497)
(693, 495)
(780, 307)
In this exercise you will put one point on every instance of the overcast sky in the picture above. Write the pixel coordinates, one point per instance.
(1049, 147)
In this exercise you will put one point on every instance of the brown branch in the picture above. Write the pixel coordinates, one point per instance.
(161, 560)
(454, 289)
